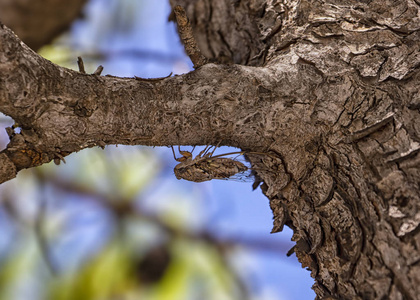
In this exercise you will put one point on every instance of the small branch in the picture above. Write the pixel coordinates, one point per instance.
(98, 70)
(81, 65)
(187, 37)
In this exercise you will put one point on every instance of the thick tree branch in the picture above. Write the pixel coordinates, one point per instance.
(350, 189)
(61, 111)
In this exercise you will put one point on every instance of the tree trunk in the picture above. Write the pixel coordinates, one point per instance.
(38, 22)
(329, 90)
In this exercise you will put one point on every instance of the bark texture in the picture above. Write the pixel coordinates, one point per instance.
(349, 139)
(328, 89)
(38, 22)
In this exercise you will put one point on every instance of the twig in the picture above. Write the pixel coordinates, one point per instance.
(98, 70)
(81, 65)
(187, 37)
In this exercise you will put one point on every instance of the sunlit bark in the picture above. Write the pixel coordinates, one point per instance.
(329, 90)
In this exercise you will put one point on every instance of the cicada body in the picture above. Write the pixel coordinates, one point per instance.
(205, 167)
(209, 168)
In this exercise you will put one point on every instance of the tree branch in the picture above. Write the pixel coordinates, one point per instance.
(61, 111)
(336, 104)
(187, 37)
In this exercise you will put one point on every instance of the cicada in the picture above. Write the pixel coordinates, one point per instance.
(205, 166)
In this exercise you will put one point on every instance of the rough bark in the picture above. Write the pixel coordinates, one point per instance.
(38, 22)
(350, 173)
(328, 89)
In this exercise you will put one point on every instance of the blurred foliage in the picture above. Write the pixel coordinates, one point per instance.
(141, 255)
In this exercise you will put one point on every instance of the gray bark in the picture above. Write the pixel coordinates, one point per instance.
(328, 89)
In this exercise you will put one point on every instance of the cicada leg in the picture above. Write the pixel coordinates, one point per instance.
(186, 154)
(215, 147)
(206, 150)
(173, 152)
(203, 152)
